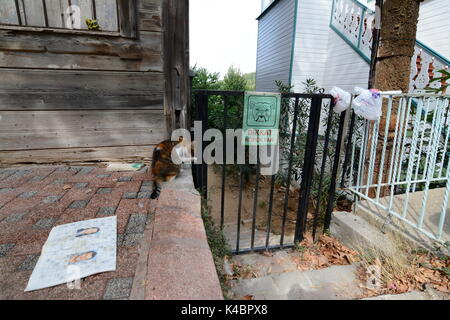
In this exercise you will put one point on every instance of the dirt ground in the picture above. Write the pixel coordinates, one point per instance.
(262, 208)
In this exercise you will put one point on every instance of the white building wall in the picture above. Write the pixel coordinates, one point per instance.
(310, 54)
(434, 26)
(344, 68)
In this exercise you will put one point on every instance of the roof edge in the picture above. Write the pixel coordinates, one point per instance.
(270, 7)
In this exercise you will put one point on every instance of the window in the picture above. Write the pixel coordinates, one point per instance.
(111, 15)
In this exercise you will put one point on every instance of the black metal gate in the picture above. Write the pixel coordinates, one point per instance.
(321, 137)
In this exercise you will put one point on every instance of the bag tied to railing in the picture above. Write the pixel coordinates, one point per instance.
(342, 99)
(368, 103)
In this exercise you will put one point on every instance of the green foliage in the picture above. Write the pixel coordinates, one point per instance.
(93, 24)
(443, 80)
(251, 81)
(217, 243)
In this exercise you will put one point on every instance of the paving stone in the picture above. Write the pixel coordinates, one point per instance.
(5, 248)
(118, 288)
(143, 170)
(120, 238)
(104, 175)
(19, 174)
(29, 263)
(14, 217)
(51, 199)
(107, 211)
(137, 223)
(79, 204)
(5, 190)
(125, 179)
(45, 223)
(85, 170)
(104, 190)
(130, 195)
(147, 183)
(37, 179)
(81, 185)
(144, 195)
(132, 239)
(63, 169)
(28, 194)
(59, 181)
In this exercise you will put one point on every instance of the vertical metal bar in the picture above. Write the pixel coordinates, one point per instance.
(407, 102)
(332, 191)
(383, 152)
(412, 155)
(427, 108)
(225, 124)
(434, 140)
(362, 152)
(393, 166)
(241, 187)
(288, 182)
(44, 7)
(19, 16)
(308, 168)
(202, 115)
(322, 170)
(444, 207)
(25, 18)
(397, 144)
(348, 149)
(373, 151)
(255, 198)
(269, 214)
(429, 154)
(444, 150)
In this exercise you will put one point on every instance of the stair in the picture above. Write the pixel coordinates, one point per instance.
(334, 283)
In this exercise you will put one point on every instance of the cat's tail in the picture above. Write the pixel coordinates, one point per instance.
(156, 190)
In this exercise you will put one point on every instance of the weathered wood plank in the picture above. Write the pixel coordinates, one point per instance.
(74, 129)
(78, 155)
(34, 13)
(150, 43)
(107, 14)
(31, 60)
(82, 82)
(80, 120)
(8, 12)
(56, 101)
(55, 13)
(127, 18)
(150, 15)
(86, 11)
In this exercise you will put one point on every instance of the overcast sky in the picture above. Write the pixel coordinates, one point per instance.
(224, 33)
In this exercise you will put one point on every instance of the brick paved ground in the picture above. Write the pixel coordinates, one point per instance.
(35, 199)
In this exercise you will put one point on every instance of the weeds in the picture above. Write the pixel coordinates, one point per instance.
(218, 245)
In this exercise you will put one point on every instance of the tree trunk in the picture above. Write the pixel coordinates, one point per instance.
(397, 40)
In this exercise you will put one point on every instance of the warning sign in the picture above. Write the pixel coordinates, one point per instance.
(261, 118)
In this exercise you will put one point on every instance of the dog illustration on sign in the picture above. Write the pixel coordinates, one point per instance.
(261, 111)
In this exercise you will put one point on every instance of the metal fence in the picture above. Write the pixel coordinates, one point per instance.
(399, 166)
(313, 130)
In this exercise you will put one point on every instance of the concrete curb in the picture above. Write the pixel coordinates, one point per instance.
(179, 264)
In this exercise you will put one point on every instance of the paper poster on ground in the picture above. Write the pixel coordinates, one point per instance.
(75, 251)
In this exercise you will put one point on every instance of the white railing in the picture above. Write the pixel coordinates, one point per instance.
(404, 170)
(354, 22)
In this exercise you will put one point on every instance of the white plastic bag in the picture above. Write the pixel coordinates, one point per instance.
(368, 103)
(342, 99)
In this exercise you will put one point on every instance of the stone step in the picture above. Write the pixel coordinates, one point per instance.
(334, 283)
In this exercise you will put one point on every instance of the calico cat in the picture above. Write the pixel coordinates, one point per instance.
(164, 169)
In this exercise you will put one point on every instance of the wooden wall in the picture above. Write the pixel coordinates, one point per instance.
(75, 97)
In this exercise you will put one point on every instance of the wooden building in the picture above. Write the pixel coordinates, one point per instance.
(71, 94)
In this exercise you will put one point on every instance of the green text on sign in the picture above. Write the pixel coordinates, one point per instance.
(261, 118)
